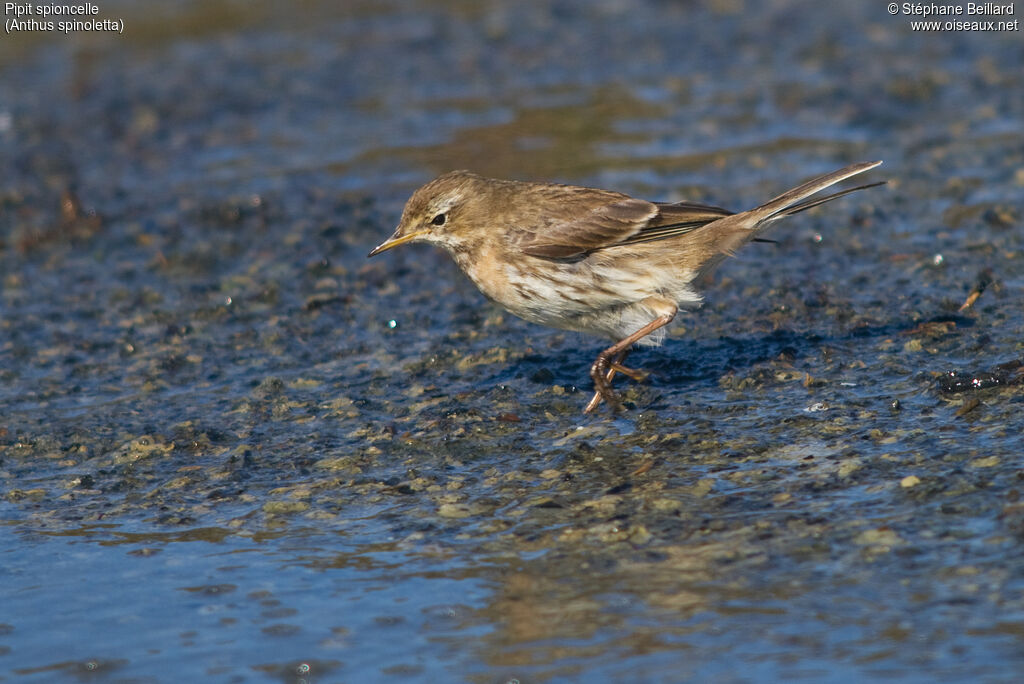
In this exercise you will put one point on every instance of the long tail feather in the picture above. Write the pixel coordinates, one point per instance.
(804, 206)
(729, 233)
(789, 202)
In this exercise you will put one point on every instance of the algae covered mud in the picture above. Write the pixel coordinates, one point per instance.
(232, 449)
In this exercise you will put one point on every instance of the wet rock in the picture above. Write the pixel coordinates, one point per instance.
(1009, 373)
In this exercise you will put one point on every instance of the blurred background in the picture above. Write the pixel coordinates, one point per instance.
(233, 449)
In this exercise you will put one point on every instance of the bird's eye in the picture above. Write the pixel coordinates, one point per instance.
(439, 220)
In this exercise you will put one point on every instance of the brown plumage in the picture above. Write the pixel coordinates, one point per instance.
(590, 260)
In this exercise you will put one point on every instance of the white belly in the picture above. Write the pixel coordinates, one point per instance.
(603, 297)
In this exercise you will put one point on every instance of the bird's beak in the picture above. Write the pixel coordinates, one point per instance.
(394, 241)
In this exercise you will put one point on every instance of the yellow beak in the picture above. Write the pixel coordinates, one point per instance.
(394, 242)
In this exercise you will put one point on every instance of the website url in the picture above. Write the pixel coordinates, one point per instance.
(965, 25)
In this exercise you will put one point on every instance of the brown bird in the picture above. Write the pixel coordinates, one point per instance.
(594, 261)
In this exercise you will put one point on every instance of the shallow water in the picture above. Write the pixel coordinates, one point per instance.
(233, 449)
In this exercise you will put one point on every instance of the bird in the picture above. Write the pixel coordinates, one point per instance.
(594, 261)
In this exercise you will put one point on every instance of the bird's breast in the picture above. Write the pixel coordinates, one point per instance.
(540, 290)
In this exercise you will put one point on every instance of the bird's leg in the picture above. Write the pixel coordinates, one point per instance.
(615, 366)
(635, 373)
(605, 367)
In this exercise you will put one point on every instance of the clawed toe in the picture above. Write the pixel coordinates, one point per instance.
(609, 362)
(602, 373)
(632, 373)
(595, 401)
(610, 398)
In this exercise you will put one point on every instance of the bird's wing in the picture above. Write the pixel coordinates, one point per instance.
(604, 225)
(677, 219)
(621, 221)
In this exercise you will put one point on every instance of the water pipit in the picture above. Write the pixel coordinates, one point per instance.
(594, 261)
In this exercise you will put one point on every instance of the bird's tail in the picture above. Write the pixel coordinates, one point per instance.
(798, 199)
(729, 233)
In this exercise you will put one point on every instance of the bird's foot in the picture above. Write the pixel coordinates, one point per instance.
(633, 373)
(602, 373)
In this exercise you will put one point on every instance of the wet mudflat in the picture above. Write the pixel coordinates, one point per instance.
(233, 449)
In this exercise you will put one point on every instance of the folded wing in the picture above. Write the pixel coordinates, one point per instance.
(622, 221)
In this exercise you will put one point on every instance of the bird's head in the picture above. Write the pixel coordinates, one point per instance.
(437, 213)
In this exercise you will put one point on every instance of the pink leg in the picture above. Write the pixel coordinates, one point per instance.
(609, 362)
(614, 367)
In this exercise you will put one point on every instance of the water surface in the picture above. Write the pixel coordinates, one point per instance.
(233, 449)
